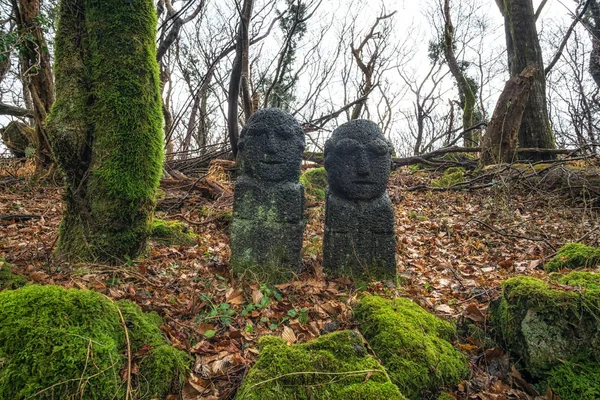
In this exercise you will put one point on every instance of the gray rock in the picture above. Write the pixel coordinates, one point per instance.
(268, 209)
(359, 236)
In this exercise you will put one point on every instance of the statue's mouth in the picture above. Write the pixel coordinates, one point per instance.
(272, 162)
(363, 182)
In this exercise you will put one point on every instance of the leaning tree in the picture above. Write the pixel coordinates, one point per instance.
(106, 126)
(523, 48)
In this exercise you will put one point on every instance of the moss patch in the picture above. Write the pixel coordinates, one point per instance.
(8, 280)
(451, 177)
(171, 232)
(542, 325)
(575, 381)
(70, 344)
(315, 182)
(334, 367)
(414, 345)
(574, 255)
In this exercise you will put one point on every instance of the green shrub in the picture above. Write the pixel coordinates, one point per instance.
(413, 345)
(71, 344)
(333, 367)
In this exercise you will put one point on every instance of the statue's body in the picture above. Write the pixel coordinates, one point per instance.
(359, 218)
(268, 208)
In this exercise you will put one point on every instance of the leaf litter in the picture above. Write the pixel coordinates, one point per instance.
(452, 253)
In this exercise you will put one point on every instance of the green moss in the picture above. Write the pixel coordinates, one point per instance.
(451, 177)
(333, 367)
(106, 126)
(315, 182)
(171, 233)
(413, 345)
(575, 381)
(70, 344)
(8, 280)
(574, 255)
(446, 396)
(587, 280)
(542, 325)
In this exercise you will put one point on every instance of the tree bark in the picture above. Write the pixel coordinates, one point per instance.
(594, 30)
(467, 97)
(106, 127)
(500, 141)
(236, 76)
(37, 75)
(524, 50)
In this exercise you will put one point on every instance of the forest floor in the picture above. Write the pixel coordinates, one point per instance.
(453, 250)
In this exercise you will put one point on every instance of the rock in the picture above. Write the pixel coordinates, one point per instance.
(359, 239)
(268, 209)
(74, 342)
(335, 366)
(544, 327)
(413, 345)
(17, 137)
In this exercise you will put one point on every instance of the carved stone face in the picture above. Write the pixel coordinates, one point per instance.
(271, 146)
(358, 161)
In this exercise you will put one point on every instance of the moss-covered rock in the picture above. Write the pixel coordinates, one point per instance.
(333, 367)
(575, 381)
(574, 255)
(8, 280)
(71, 344)
(544, 325)
(451, 177)
(17, 137)
(171, 232)
(315, 182)
(413, 344)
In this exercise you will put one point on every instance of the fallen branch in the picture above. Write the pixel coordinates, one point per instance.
(18, 217)
(512, 235)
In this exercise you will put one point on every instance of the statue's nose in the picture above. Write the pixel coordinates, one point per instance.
(363, 166)
(271, 143)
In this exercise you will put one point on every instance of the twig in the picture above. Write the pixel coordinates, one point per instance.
(511, 234)
(18, 217)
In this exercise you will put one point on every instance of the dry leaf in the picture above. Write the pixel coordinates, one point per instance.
(288, 335)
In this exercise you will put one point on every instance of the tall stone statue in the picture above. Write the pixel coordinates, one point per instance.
(268, 207)
(359, 219)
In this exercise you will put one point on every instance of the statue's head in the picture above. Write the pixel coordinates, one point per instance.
(358, 160)
(271, 146)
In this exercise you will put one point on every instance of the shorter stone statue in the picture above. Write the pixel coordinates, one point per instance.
(359, 236)
(268, 207)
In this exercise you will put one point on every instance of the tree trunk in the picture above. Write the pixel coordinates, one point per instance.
(106, 127)
(37, 76)
(236, 76)
(594, 30)
(500, 141)
(524, 50)
(467, 97)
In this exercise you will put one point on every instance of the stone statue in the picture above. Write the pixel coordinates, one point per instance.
(359, 236)
(268, 207)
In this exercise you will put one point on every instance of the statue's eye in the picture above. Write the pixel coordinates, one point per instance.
(378, 147)
(347, 146)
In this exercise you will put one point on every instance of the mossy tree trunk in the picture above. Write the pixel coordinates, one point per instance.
(106, 126)
(523, 48)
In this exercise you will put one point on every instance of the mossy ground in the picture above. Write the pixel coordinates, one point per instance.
(413, 345)
(451, 177)
(171, 233)
(334, 367)
(552, 329)
(70, 344)
(8, 280)
(315, 182)
(574, 255)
